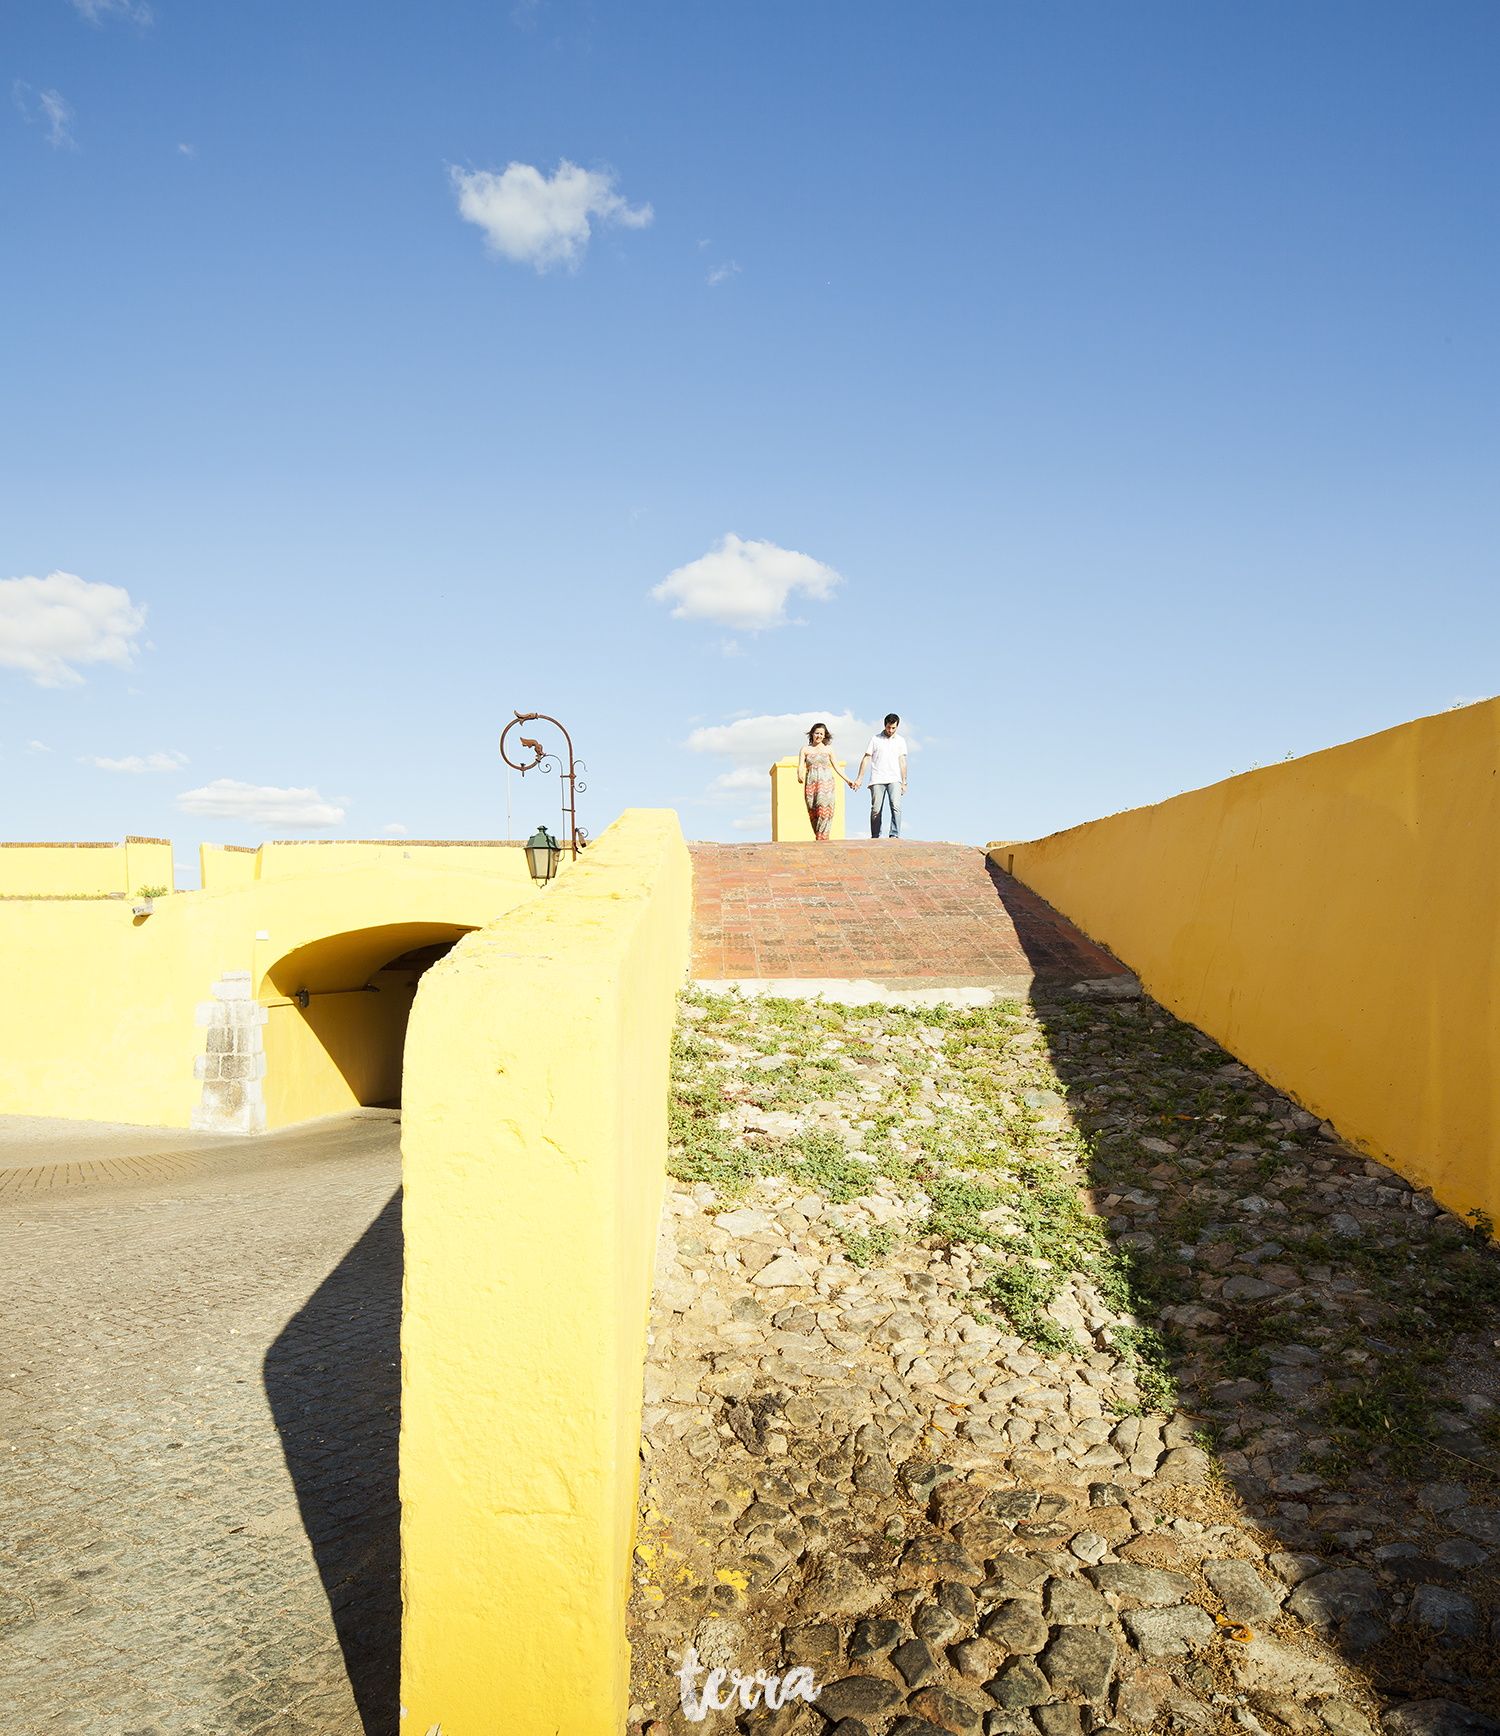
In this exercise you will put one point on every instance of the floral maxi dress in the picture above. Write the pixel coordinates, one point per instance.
(818, 787)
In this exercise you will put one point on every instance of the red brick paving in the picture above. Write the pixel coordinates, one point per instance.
(886, 910)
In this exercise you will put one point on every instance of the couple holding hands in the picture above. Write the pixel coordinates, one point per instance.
(886, 759)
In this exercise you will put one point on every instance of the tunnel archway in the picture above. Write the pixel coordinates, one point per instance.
(336, 1015)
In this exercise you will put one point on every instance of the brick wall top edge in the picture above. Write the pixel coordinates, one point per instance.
(131, 840)
(108, 845)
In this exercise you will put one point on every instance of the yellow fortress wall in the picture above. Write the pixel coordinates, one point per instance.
(238, 864)
(103, 1016)
(1334, 922)
(85, 870)
(534, 1150)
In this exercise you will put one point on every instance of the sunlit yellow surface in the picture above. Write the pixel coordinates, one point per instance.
(534, 1148)
(1334, 922)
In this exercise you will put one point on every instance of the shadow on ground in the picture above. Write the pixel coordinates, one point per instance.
(333, 1379)
(1054, 948)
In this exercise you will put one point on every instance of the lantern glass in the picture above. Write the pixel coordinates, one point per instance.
(542, 852)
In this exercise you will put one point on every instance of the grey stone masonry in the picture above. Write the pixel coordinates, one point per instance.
(234, 1061)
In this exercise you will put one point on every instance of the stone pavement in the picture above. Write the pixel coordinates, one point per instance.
(199, 1391)
(895, 911)
(1002, 1361)
(41, 1154)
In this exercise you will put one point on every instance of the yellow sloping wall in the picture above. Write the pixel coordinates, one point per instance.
(534, 1145)
(1334, 922)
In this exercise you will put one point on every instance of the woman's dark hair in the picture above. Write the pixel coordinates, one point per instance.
(827, 734)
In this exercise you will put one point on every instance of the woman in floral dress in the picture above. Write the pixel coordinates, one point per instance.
(816, 771)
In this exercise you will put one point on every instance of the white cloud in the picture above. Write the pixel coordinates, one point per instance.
(37, 747)
(171, 761)
(54, 110)
(754, 742)
(394, 832)
(756, 822)
(58, 115)
(741, 778)
(1461, 701)
(96, 11)
(228, 799)
(188, 150)
(538, 221)
(722, 273)
(48, 625)
(744, 584)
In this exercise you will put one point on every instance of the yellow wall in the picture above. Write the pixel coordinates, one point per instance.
(1332, 921)
(343, 1050)
(148, 862)
(534, 1147)
(221, 865)
(99, 1016)
(234, 865)
(275, 860)
(84, 870)
(790, 821)
(62, 870)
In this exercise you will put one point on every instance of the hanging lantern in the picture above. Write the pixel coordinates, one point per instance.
(543, 852)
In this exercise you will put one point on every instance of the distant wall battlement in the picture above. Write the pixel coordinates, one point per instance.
(238, 864)
(110, 870)
(84, 870)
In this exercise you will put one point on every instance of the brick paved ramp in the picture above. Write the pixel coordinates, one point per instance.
(904, 914)
(198, 1418)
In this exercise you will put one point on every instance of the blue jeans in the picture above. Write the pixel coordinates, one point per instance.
(880, 794)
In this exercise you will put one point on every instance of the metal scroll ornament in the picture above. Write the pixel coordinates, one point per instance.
(547, 761)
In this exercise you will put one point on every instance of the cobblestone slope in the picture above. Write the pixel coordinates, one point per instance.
(1001, 1359)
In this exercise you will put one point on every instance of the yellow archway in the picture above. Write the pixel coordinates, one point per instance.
(336, 1010)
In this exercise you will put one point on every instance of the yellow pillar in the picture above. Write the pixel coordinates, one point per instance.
(790, 823)
(534, 1155)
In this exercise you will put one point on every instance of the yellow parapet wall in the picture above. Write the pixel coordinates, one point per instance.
(1333, 921)
(237, 864)
(790, 821)
(534, 1150)
(85, 870)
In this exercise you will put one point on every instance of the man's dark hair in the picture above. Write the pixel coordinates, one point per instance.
(890, 717)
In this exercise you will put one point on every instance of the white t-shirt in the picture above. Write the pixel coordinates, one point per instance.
(886, 753)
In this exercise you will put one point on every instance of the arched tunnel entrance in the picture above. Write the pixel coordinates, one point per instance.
(336, 1013)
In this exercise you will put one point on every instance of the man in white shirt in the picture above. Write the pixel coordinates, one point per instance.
(886, 758)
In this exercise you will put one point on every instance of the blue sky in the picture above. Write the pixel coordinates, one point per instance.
(1124, 377)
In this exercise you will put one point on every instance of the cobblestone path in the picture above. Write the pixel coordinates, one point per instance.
(892, 911)
(1034, 1369)
(198, 1429)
